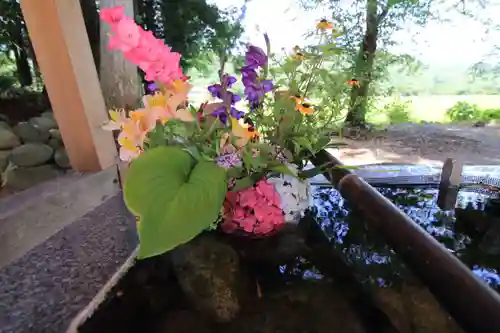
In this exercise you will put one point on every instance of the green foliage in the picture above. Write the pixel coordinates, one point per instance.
(174, 197)
(397, 112)
(194, 28)
(462, 111)
(489, 114)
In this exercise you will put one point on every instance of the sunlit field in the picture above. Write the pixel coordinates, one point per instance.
(433, 108)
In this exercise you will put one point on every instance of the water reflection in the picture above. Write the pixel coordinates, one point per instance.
(471, 232)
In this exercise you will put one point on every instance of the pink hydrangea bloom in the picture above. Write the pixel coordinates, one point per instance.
(141, 48)
(255, 210)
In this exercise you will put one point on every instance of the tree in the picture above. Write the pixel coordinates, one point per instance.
(369, 27)
(92, 25)
(193, 28)
(382, 19)
(15, 39)
(119, 78)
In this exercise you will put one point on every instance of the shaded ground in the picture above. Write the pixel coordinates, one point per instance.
(424, 144)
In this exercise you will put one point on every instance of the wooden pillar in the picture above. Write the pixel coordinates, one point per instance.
(62, 48)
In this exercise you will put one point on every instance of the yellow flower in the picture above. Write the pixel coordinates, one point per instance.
(171, 104)
(244, 132)
(117, 119)
(134, 132)
(129, 148)
(324, 24)
(302, 105)
(297, 53)
(144, 118)
(305, 108)
(299, 56)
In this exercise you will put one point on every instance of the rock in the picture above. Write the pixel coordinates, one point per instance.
(391, 303)
(56, 134)
(490, 243)
(31, 154)
(425, 312)
(4, 125)
(4, 159)
(24, 178)
(48, 114)
(61, 158)
(285, 245)
(43, 123)
(55, 143)
(301, 307)
(29, 133)
(8, 140)
(208, 273)
(55, 140)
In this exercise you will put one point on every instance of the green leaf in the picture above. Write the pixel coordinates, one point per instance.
(243, 183)
(313, 172)
(194, 152)
(174, 197)
(156, 137)
(248, 181)
(304, 142)
(321, 143)
(234, 172)
(281, 168)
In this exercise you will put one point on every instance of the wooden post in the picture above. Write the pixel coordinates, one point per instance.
(62, 48)
(449, 185)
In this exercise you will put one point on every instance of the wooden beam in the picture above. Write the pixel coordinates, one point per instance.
(62, 48)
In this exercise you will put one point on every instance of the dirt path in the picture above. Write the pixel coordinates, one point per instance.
(425, 144)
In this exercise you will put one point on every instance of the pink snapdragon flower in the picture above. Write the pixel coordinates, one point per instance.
(141, 48)
(254, 210)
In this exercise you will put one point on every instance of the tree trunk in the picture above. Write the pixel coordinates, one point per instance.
(364, 67)
(22, 63)
(91, 17)
(119, 80)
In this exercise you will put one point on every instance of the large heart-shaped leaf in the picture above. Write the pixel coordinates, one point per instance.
(174, 197)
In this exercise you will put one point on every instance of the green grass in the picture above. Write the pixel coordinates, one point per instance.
(432, 108)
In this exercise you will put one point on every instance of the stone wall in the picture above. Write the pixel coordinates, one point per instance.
(31, 152)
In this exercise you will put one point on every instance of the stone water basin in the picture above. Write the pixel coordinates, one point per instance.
(471, 231)
(353, 282)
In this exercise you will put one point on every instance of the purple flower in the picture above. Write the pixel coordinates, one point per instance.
(222, 113)
(220, 90)
(235, 113)
(228, 160)
(256, 90)
(217, 89)
(152, 88)
(228, 80)
(255, 57)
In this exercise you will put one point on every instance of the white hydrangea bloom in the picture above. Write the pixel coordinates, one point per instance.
(294, 195)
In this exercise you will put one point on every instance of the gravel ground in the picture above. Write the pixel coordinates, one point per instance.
(425, 144)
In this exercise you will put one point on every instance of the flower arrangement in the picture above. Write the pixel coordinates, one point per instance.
(193, 166)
